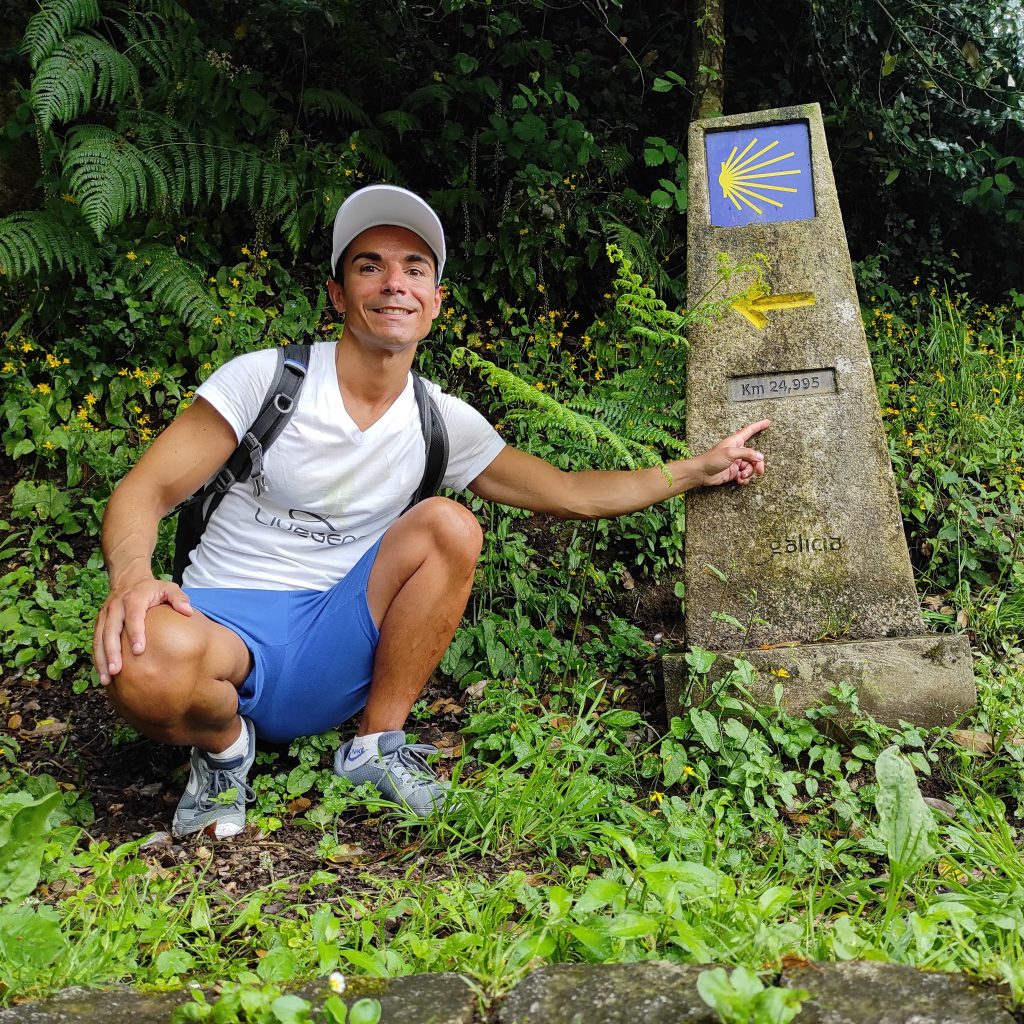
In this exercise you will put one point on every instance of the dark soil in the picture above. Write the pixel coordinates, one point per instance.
(133, 788)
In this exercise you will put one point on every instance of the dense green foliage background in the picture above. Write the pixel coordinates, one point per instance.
(167, 175)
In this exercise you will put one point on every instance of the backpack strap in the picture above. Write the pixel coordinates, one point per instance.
(246, 461)
(435, 442)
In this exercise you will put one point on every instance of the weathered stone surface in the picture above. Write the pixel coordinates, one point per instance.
(416, 999)
(815, 549)
(873, 993)
(927, 680)
(651, 992)
(829, 491)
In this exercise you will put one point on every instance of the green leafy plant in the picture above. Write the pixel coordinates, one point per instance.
(742, 998)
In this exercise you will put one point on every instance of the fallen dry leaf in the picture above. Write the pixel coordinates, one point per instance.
(14, 722)
(46, 727)
(347, 853)
(300, 804)
(476, 690)
(444, 706)
(979, 742)
(944, 806)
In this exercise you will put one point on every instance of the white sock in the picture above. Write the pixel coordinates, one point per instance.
(362, 749)
(240, 748)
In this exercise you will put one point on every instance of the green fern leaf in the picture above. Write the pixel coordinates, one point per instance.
(33, 240)
(337, 104)
(427, 95)
(176, 284)
(51, 25)
(636, 249)
(401, 121)
(371, 147)
(79, 71)
(617, 158)
(110, 177)
(544, 412)
(164, 38)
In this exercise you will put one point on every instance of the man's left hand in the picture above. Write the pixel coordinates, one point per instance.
(731, 459)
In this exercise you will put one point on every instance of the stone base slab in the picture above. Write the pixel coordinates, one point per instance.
(926, 680)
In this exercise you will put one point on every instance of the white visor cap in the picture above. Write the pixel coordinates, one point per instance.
(375, 205)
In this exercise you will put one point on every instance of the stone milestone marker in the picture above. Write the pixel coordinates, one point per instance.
(807, 569)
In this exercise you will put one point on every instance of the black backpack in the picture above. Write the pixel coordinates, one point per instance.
(246, 462)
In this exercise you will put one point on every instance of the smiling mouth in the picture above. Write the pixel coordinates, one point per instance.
(393, 311)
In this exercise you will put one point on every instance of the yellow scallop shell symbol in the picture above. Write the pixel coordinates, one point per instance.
(743, 179)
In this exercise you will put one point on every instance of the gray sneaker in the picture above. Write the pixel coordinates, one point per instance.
(207, 798)
(400, 772)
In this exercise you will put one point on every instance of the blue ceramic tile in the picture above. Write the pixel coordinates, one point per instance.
(760, 174)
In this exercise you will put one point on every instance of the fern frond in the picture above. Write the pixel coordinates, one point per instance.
(151, 38)
(399, 120)
(337, 104)
(199, 167)
(432, 94)
(110, 177)
(636, 249)
(544, 412)
(371, 149)
(617, 158)
(79, 71)
(33, 240)
(53, 22)
(176, 284)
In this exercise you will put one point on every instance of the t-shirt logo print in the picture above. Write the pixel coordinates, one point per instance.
(329, 536)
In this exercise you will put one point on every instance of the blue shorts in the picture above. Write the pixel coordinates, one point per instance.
(312, 651)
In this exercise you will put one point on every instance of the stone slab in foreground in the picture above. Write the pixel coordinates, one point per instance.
(651, 992)
(927, 680)
(862, 992)
(416, 999)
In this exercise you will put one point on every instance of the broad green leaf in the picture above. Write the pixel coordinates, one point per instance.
(700, 660)
(706, 726)
(22, 839)
(29, 937)
(905, 823)
(364, 1011)
(290, 1009)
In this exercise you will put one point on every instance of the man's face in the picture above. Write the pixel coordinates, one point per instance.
(389, 294)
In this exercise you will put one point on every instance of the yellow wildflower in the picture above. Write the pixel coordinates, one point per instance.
(235, 282)
(245, 251)
(657, 797)
(130, 255)
(780, 672)
(217, 321)
(43, 389)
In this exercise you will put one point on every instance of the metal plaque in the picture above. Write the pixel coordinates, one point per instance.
(794, 384)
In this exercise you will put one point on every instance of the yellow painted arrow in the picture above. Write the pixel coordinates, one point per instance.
(755, 309)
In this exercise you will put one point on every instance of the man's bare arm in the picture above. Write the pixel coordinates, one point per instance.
(525, 481)
(177, 464)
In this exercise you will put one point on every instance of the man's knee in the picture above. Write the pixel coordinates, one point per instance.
(452, 527)
(156, 686)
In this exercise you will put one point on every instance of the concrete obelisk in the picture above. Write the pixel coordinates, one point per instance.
(805, 573)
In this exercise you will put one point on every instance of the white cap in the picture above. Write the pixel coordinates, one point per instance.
(375, 205)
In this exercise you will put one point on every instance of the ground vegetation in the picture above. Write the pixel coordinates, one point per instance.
(167, 178)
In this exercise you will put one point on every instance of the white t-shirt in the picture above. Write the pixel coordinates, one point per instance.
(331, 488)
